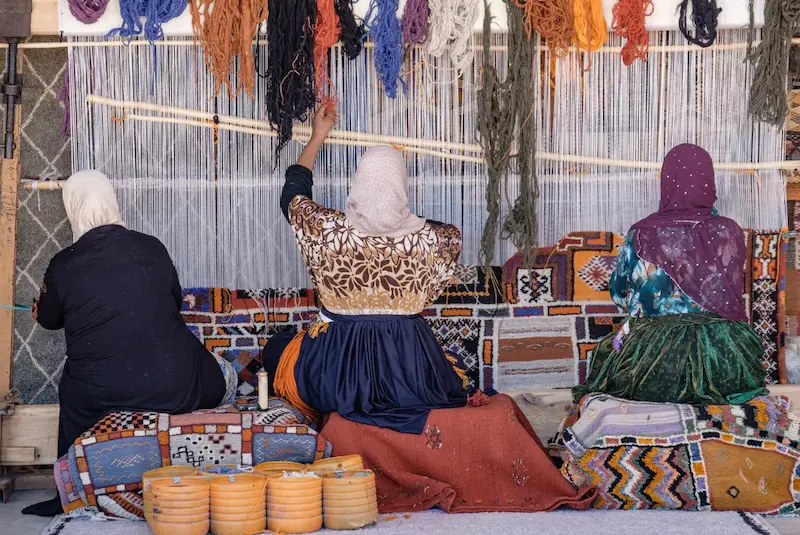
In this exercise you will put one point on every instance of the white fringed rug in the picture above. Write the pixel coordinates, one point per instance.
(558, 523)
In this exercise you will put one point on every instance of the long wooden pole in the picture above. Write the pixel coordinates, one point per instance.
(9, 182)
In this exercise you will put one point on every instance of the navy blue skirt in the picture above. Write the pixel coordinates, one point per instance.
(388, 371)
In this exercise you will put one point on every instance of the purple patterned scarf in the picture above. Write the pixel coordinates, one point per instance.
(703, 253)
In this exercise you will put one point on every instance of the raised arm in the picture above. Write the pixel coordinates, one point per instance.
(299, 178)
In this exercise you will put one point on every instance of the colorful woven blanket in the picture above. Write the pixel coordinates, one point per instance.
(650, 456)
(104, 468)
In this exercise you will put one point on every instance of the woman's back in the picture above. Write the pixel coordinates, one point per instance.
(117, 296)
(359, 274)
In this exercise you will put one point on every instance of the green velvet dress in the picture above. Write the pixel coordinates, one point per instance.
(673, 350)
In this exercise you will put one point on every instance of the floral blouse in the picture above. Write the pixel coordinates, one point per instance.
(356, 274)
(643, 289)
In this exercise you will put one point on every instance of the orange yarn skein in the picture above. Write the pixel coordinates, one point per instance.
(628, 23)
(326, 34)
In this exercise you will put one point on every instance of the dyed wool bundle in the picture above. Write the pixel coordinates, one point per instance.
(415, 22)
(225, 29)
(290, 65)
(453, 20)
(589, 24)
(87, 11)
(771, 58)
(704, 19)
(155, 13)
(502, 107)
(628, 22)
(552, 20)
(352, 31)
(326, 34)
(384, 29)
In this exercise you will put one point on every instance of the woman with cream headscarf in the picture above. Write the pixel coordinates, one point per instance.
(116, 294)
(370, 355)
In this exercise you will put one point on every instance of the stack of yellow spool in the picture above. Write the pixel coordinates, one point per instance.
(348, 463)
(294, 503)
(167, 472)
(180, 505)
(349, 499)
(238, 504)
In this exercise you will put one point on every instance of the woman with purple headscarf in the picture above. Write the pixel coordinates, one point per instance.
(680, 277)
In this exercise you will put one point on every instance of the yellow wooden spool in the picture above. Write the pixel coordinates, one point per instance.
(294, 483)
(349, 463)
(195, 528)
(350, 521)
(295, 497)
(238, 527)
(161, 473)
(344, 481)
(278, 467)
(291, 526)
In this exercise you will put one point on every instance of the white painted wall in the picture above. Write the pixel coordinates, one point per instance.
(735, 14)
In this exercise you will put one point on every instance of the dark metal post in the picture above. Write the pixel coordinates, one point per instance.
(11, 90)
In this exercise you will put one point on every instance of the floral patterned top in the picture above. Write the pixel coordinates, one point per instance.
(356, 274)
(643, 289)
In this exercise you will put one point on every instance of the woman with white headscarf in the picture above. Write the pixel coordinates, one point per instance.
(370, 355)
(116, 294)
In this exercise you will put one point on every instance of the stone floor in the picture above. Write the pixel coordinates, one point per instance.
(12, 521)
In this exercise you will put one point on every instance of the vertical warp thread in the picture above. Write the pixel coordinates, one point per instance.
(628, 22)
(87, 11)
(553, 20)
(63, 97)
(326, 34)
(415, 22)
(225, 29)
(352, 31)
(383, 27)
(771, 59)
(705, 14)
(290, 66)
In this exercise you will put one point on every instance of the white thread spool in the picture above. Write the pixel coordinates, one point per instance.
(263, 390)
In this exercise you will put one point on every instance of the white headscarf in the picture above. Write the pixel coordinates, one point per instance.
(90, 202)
(378, 201)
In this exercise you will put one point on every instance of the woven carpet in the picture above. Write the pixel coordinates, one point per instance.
(558, 523)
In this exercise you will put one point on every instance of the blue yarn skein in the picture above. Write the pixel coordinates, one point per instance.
(387, 34)
(155, 12)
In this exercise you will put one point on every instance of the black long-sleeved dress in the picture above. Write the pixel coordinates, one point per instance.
(116, 294)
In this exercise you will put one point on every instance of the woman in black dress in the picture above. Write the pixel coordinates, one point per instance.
(116, 294)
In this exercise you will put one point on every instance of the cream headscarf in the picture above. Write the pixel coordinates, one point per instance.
(378, 201)
(90, 202)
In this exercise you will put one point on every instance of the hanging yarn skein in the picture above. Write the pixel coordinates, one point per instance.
(521, 224)
(155, 12)
(326, 34)
(225, 29)
(453, 20)
(771, 59)
(501, 104)
(589, 24)
(628, 22)
(551, 19)
(87, 11)
(383, 27)
(705, 14)
(415, 22)
(290, 66)
(352, 31)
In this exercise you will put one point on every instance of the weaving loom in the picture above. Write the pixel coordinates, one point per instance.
(194, 160)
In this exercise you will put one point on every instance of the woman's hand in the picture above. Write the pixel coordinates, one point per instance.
(35, 310)
(324, 120)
